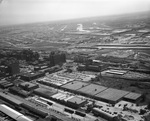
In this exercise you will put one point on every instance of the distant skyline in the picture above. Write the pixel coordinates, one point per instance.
(30, 11)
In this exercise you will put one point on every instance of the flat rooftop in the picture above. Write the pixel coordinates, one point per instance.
(76, 100)
(75, 85)
(10, 98)
(111, 94)
(28, 84)
(27, 74)
(77, 76)
(45, 92)
(92, 89)
(133, 96)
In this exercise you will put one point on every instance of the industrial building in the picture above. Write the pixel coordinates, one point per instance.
(133, 97)
(114, 71)
(104, 113)
(61, 96)
(13, 114)
(69, 100)
(54, 80)
(76, 102)
(28, 86)
(91, 90)
(31, 76)
(51, 69)
(37, 67)
(46, 93)
(34, 110)
(95, 66)
(38, 102)
(111, 95)
(18, 91)
(74, 86)
(5, 84)
(123, 110)
(10, 99)
(77, 76)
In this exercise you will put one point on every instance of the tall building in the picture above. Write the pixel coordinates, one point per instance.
(57, 58)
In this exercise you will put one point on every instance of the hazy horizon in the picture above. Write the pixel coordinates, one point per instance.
(30, 11)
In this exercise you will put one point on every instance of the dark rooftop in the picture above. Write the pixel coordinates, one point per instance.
(75, 85)
(45, 92)
(111, 94)
(133, 96)
(92, 89)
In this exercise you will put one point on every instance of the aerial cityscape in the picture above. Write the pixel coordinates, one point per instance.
(82, 69)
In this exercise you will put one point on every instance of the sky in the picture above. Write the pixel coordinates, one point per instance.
(26, 11)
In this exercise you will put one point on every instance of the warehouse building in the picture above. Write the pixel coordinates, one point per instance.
(54, 80)
(31, 76)
(74, 86)
(10, 99)
(93, 67)
(18, 91)
(62, 98)
(13, 114)
(76, 102)
(114, 71)
(28, 86)
(52, 69)
(34, 110)
(133, 97)
(91, 90)
(46, 93)
(5, 84)
(104, 113)
(111, 95)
